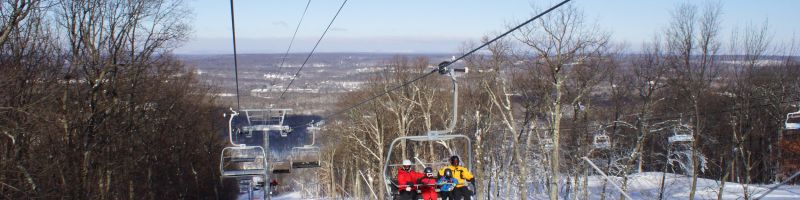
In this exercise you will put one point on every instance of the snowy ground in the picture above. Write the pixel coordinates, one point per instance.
(647, 186)
(285, 196)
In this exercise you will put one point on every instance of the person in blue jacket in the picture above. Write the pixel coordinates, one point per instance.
(448, 183)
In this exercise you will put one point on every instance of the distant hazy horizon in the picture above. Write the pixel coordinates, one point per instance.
(331, 45)
(419, 26)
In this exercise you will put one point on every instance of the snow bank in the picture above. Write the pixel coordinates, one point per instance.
(648, 186)
(284, 196)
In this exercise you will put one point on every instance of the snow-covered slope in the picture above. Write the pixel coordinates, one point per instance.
(647, 186)
(285, 196)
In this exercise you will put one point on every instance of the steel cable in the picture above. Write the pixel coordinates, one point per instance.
(312, 50)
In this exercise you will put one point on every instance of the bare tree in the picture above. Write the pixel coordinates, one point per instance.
(29, 71)
(642, 81)
(99, 107)
(557, 43)
(690, 36)
(12, 13)
(748, 47)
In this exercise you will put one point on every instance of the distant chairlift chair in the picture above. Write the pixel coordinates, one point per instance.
(307, 156)
(270, 119)
(283, 130)
(602, 141)
(681, 133)
(792, 121)
(281, 167)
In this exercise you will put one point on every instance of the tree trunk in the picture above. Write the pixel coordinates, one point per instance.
(554, 176)
(723, 179)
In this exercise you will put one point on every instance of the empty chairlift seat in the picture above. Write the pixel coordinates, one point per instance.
(271, 119)
(602, 141)
(242, 161)
(281, 167)
(305, 157)
(283, 130)
(792, 121)
(681, 133)
(269, 116)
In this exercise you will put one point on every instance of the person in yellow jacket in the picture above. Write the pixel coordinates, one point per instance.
(463, 175)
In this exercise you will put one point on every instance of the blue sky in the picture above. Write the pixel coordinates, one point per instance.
(436, 26)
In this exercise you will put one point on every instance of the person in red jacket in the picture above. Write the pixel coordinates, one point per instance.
(428, 185)
(406, 181)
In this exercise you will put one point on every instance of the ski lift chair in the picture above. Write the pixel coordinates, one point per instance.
(283, 130)
(243, 161)
(281, 167)
(435, 137)
(682, 133)
(269, 116)
(270, 119)
(307, 156)
(792, 122)
(601, 141)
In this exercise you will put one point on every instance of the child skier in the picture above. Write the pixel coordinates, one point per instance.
(448, 183)
(428, 185)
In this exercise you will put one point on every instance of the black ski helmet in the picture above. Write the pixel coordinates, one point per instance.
(428, 171)
(455, 161)
(448, 173)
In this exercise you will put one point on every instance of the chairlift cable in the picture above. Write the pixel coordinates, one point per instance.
(312, 50)
(507, 32)
(444, 65)
(235, 62)
(291, 42)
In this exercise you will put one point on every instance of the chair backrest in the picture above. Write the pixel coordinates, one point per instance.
(266, 116)
(282, 167)
(306, 157)
(792, 121)
(600, 138)
(243, 161)
(602, 141)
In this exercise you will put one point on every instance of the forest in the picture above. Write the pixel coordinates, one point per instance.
(94, 106)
